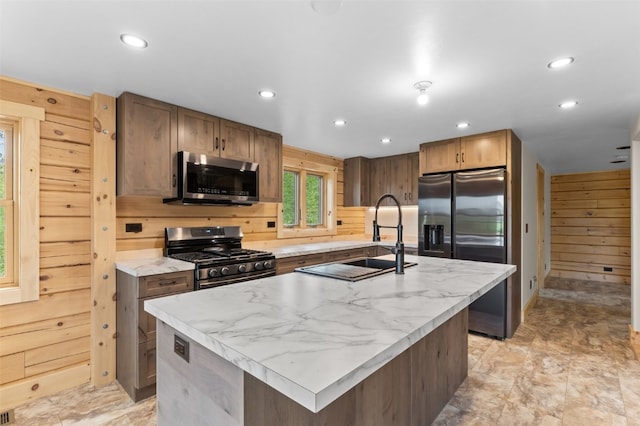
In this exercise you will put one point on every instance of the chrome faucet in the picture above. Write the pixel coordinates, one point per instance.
(398, 250)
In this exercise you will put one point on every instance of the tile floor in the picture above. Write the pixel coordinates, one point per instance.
(569, 364)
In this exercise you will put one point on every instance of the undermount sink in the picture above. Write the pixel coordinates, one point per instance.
(353, 270)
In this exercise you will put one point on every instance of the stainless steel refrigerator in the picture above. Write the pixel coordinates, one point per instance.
(461, 215)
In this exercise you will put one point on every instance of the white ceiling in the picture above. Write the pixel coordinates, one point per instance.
(487, 61)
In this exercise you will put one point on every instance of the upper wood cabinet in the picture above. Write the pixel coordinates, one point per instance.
(147, 141)
(198, 132)
(365, 180)
(151, 132)
(356, 182)
(468, 152)
(236, 140)
(268, 154)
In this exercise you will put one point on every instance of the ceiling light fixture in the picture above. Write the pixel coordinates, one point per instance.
(422, 86)
(133, 41)
(561, 62)
(385, 140)
(267, 94)
(339, 122)
(568, 104)
(463, 125)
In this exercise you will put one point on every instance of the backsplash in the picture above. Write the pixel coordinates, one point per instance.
(388, 216)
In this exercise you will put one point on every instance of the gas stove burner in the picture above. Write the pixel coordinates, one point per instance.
(218, 255)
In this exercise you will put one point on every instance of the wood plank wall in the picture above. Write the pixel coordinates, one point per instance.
(591, 226)
(254, 220)
(45, 345)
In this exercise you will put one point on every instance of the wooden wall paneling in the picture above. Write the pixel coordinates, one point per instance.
(28, 389)
(62, 313)
(70, 328)
(56, 229)
(54, 101)
(58, 153)
(103, 240)
(12, 367)
(591, 226)
(68, 179)
(58, 203)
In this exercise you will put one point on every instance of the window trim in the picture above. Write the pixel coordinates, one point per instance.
(9, 205)
(330, 180)
(26, 175)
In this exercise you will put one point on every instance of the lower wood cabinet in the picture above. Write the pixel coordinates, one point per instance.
(288, 264)
(136, 329)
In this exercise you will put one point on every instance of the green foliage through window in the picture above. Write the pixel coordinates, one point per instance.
(290, 198)
(314, 200)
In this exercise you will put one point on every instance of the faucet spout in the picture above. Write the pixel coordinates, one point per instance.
(398, 250)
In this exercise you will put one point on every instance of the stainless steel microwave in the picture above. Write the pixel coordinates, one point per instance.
(205, 179)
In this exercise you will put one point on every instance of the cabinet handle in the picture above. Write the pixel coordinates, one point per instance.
(405, 196)
(224, 144)
(174, 282)
(175, 180)
(410, 196)
(216, 143)
(463, 157)
(457, 157)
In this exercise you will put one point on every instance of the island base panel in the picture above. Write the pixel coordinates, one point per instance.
(411, 389)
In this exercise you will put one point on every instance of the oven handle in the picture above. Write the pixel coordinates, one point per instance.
(202, 284)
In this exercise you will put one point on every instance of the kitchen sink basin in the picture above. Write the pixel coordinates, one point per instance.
(353, 270)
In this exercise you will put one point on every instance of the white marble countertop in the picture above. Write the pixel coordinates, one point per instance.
(153, 266)
(314, 338)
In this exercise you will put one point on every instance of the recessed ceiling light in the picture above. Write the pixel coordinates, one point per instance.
(133, 41)
(339, 122)
(561, 62)
(267, 94)
(568, 104)
(385, 140)
(463, 125)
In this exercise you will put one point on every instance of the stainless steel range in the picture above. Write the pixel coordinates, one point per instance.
(218, 255)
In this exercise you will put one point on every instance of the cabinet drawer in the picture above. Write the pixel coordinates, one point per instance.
(146, 364)
(158, 285)
(288, 264)
(347, 254)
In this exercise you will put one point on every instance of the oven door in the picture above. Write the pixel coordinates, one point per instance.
(220, 281)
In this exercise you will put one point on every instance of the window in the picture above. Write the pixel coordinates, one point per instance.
(308, 200)
(19, 204)
(6, 203)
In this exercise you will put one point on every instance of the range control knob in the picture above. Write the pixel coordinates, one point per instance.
(268, 264)
(242, 268)
(213, 272)
(224, 270)
(257, 266)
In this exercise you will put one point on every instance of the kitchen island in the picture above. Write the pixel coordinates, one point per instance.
(299, 349)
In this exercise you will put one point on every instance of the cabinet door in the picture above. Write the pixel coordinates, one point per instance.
(198, 132)
(413, 172)
(484, 150)
(378, 180)
(236, 140)
(441, 156)
(146, 364)
(397, 183)
(147, 142)
(356, 182)
(267, 153)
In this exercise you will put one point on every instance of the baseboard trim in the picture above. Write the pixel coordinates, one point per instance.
(531, 304)
(634, 338)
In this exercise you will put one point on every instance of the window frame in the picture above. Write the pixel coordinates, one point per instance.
(329, 176)
(26, 191)
(8, 203)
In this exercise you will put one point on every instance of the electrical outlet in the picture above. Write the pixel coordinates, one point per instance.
(608, 269)
(271, 224)
(339, 222)
(133, 227)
